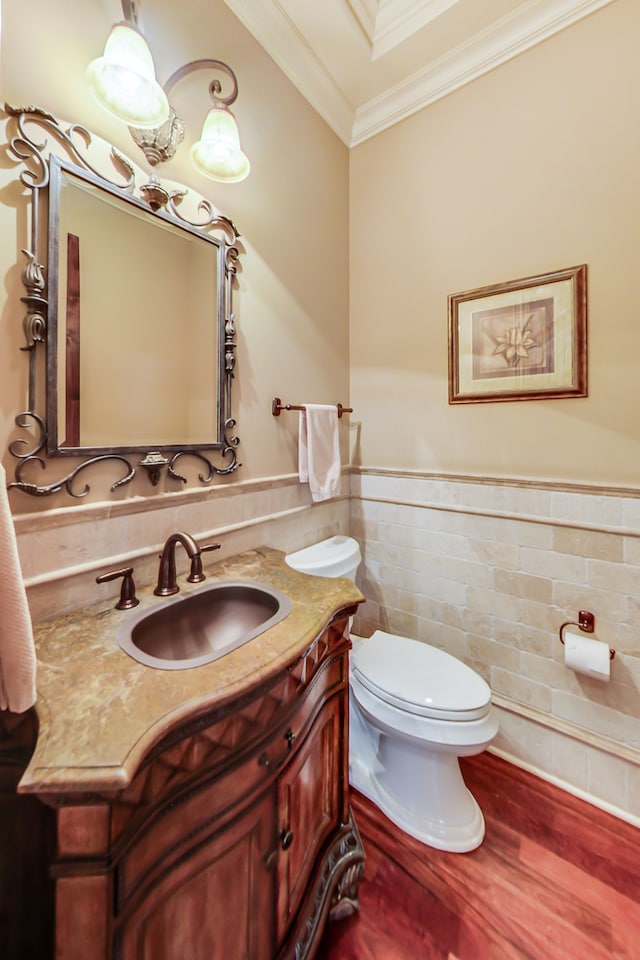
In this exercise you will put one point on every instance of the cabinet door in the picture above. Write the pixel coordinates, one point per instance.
(309, 803)
(216, 904)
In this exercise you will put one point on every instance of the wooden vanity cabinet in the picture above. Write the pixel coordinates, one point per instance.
(309, 807)
(234, 841)
(206, 906)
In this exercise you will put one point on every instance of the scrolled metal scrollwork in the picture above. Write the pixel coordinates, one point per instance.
(35, 445)
(28, 456)
(35, 319)
(211, 220)
(25, 148)
(66, 482)
(29, 145)
(335, 888)
(228, 450)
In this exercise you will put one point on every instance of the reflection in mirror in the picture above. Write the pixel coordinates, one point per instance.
(137, 318)
(134, 349)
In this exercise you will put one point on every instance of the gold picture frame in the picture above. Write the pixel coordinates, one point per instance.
(522, 340)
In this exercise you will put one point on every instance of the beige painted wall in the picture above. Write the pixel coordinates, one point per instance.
(530, 169)
(291, 301)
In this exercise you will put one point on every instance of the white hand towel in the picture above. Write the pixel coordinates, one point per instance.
(319, 450)
(17, 650)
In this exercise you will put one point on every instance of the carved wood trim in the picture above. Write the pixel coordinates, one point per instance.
(215, 739)
(333, 893)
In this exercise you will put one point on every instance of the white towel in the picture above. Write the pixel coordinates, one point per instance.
(319, 450)
(17, 650)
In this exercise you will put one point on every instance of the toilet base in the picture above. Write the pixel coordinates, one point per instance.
(454, 838)
(420, 788)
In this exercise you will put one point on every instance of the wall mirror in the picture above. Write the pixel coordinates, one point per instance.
(131, 301)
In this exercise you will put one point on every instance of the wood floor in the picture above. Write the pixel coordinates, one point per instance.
(555, 879)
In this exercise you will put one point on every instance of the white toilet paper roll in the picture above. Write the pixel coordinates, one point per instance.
(588, 656)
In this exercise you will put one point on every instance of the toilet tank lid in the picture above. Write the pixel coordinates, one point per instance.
(420, 678)
(333, 557)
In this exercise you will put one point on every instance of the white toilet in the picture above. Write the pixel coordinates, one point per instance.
(414, 710)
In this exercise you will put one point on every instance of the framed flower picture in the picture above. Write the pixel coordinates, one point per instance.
(522, 340)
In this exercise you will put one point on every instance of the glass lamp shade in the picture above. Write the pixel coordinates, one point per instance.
(217, 153)
(124, 80)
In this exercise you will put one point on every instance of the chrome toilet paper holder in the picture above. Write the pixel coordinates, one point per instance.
(587, 623)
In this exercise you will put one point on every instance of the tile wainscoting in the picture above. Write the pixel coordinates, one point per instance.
(489, 569)
(62, 550)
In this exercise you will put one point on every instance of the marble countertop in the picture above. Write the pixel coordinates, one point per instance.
(100, 711)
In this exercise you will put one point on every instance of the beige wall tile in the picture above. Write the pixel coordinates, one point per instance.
(529, 638)
(521, 688)
(569, 761)
(537, 745)
(631, 513)
(542, 670)
(587, 543)
(466, 571)
(556, 566)
(612, 577)
(633, 790)
(510, 734)
(498, 589)
(501, 605)
(491, 653)
(569, 598)
(401, 623)
(631, 550)
(523, 585)
(63, 558)
(607, 511)
(533, 536)
(584, 713)
(608, 778)
(495, 553)
(631, 727)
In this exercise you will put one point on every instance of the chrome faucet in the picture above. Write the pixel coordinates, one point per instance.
(167, 581)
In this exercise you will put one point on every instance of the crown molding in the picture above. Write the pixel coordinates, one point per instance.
(533, 22)
(506, 39)
(388, 23)
(284, 43)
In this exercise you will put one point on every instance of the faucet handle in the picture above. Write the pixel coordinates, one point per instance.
(128, 598)
(210, 546)
(196, 574)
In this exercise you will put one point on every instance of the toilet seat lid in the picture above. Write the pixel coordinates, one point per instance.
(420, 679)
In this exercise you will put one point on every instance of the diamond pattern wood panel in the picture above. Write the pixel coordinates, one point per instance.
(179, 757)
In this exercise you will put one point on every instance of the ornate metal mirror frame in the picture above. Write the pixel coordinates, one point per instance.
(157, 203)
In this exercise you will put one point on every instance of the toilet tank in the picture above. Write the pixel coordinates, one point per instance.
(335, 557)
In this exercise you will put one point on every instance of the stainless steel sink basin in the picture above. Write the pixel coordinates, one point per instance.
(198, 627)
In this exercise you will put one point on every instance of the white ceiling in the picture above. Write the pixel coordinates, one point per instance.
(366, 64)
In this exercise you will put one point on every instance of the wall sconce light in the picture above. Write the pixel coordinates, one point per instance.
(124, 82)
